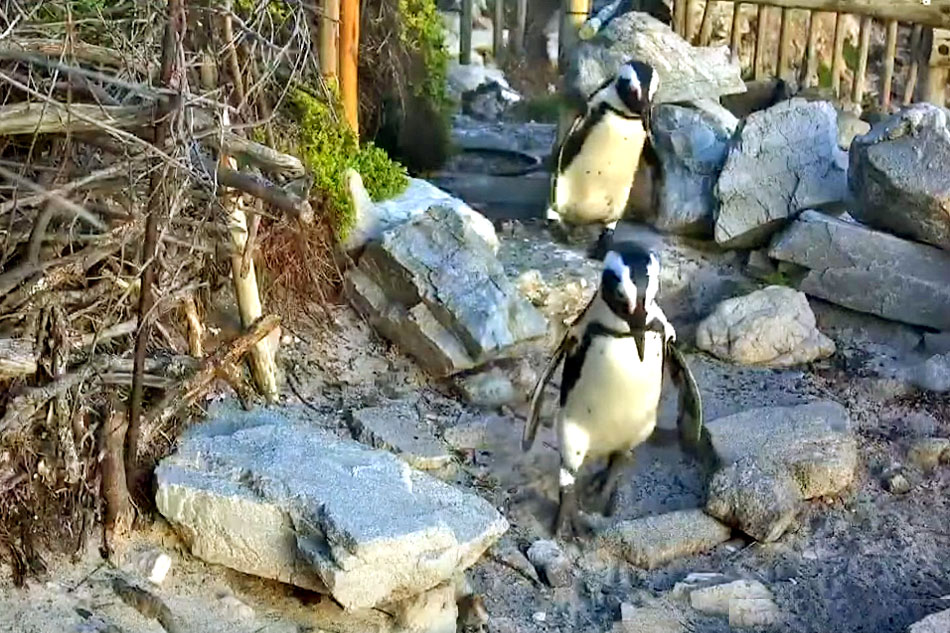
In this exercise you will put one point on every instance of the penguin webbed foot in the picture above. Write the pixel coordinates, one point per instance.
(603, 486)
(603, 244)
(568, 523)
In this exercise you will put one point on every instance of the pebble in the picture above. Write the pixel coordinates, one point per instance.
(539, 616)
(237, 607)
(928, 453)
(551, 563)
(748, 603)
(896, 483)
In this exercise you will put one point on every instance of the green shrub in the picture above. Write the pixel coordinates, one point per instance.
(328, 148)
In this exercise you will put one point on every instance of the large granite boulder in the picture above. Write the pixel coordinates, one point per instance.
(774, 457)
(783, 160)
(773, 327)
(865, 270)
(686, 72)
(692, 145)
(900, 175)
(270, 497)
(433, 286)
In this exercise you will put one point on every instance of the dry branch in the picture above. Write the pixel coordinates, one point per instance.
(58, 118)
(146, 603)
(90, 53)
(212, 367)
(299, 208)
(117, 515)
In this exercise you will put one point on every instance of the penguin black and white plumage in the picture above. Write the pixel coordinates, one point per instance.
(615, 355)
(601, 153)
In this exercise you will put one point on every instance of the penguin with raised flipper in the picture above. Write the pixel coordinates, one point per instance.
(615, 356)
(601, 154)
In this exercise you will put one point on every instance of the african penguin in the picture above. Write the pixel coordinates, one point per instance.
(614, 360)
(600, 155)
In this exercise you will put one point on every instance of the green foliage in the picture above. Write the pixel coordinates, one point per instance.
(328, 148)
(777, 278)
(422, 33)
(541, 109)
(278, 10)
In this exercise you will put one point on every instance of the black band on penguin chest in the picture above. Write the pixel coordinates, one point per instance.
(574, 361)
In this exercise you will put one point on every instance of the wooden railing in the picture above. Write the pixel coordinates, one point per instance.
(930, 41)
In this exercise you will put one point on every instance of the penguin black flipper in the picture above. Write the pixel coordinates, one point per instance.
(689, 419)
(566, 346)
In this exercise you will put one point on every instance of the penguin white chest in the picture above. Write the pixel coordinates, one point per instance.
(614, 402)
(595, 186)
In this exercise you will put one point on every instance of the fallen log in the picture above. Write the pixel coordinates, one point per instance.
(17, 358)
(53, 117)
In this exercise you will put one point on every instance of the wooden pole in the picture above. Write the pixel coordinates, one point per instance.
(690, 28)
(573, 15)
(498, 30)
(761, 32)
(785, 44)
(349, 61)
(857, 89)
(810, 70)
(735, 36)
(465, 33)
(935, 80)
(911, 85)
(705, 28)
(889, 54)
(837, 62)
(516, 42)
(330, 40)
(679, 17)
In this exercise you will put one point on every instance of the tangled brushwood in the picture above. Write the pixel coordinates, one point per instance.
(141, 182)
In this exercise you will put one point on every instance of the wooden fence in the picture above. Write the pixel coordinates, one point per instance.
(929, 47)
(929, 21)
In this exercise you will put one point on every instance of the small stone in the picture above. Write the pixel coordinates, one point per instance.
(695, 580)
(896, 483)
(551, 562)
(753, 612)
(648, 620)
(433, 611)
(920, 424)
(237, 607)
(760, 265)
(539, 616)
(928, 453)
(722, 599)
(396, 427)
(935, 623)
(932, 375)
(467, 436)
(773, 327)
(506, 553)
(488, 389)
(656, 540)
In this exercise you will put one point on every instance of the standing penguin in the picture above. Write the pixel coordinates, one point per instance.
(614, 355)
(600, 155)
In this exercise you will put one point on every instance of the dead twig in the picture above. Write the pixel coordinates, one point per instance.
(299, 208)
(193, 388)
(145, 602)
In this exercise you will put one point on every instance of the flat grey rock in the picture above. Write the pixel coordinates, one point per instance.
(900, 175)
(782, 161)
(396, 427)
(653, 541)
(867, 270)
(287, 501)
(692, 145)
(686, 72)
(934, 623)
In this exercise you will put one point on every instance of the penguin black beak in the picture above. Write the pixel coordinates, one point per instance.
(638, 325)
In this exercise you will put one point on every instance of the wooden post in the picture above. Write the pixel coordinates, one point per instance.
(705, 28)
(785, 44)
(690, 28)
(735, 36)
(935, 85)
(857, 89)
(498, 30)
(349, 60)
(889, 54)
(810, 70)
(679, 17)
(573, 15)
(837, 62)
(761, 32)
(465, 33)
(330, 40)
(911, 83)
(516, 42)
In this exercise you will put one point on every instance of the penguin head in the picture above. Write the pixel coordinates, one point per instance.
(630, 282)
(636, 85)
